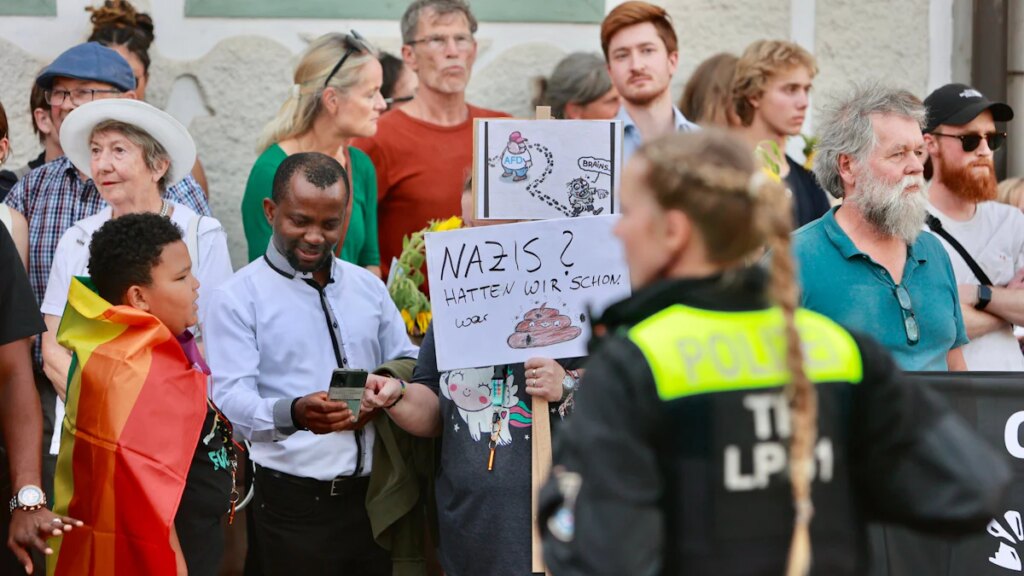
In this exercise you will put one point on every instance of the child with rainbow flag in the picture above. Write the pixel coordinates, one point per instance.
(144, 455)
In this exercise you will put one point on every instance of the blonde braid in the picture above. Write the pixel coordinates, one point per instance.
(775, 219)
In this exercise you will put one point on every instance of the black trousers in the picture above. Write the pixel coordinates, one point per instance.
(305, 526)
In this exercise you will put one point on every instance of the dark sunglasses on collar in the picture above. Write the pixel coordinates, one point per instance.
(970, 142)
(354, 44)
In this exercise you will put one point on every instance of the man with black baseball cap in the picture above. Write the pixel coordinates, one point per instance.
(984, 239)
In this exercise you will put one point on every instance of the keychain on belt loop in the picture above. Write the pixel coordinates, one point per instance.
(499, 393)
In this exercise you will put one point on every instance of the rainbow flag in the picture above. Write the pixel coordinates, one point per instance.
(135, 409)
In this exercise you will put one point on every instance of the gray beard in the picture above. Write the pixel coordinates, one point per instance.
(889, 209)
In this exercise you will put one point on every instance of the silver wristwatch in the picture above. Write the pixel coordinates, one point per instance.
(29, 498)
(568, 385)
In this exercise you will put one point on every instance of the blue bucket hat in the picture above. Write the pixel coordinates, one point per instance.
(89, 61)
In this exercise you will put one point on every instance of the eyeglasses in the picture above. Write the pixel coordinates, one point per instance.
(970, 142)
(438, 42)
(354, 44)
(78, 97)
(909, 320)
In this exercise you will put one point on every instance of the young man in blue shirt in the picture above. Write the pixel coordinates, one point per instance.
(642, 51)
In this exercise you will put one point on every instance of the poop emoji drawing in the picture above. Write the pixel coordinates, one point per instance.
(543, 327)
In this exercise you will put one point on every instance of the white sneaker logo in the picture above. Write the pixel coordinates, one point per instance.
(970, 93)
(1007, 556)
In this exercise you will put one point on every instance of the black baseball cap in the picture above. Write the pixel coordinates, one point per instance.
(958, 104)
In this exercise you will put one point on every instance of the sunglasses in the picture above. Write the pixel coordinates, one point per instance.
(970, 142)
(354, 44)
(397, 100)
(909, 320)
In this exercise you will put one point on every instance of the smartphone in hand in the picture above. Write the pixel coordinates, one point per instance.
(347, 386)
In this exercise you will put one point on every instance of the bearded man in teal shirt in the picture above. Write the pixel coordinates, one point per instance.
(865, 263)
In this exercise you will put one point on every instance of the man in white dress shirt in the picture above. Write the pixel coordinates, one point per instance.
(276, 331)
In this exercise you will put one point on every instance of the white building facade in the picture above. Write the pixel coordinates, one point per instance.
(226, 76)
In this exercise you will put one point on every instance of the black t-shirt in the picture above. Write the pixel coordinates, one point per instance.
(205, 500)
(484, 516)
(810, 201)
(19, 311)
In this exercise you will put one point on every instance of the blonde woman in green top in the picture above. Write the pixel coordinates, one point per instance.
(336, 97)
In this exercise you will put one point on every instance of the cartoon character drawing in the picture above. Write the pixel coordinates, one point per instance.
(516, 159)
(543, 327)
(470, 390)
(581, 197)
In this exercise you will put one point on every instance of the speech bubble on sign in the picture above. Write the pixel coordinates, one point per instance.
(591, 164)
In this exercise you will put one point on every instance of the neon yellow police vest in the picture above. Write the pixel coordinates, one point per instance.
(695, 351)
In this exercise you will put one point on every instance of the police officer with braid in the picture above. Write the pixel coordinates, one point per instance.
(702, 432)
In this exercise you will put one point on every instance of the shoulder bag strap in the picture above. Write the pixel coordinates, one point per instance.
(936, 225)
(192, 243)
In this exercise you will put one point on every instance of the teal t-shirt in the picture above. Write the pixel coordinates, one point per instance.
(360, 245)
(848, 286)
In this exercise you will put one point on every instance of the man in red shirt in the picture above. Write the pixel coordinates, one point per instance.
(423, 152)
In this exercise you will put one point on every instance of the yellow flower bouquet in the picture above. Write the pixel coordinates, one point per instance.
(771, 158)
(810, 143)
(407, 277)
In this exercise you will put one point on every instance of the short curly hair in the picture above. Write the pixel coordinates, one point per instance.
(317, 168)
(124, 251)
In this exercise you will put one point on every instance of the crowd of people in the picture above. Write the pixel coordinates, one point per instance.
(134, 361)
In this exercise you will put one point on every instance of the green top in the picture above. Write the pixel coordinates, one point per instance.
(360, 245)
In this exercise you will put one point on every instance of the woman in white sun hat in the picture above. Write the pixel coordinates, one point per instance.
(133, 152)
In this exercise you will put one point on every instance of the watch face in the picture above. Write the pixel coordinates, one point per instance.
(569, 383)
(30, 496)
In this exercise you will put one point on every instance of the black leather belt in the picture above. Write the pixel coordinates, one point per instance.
(336, 487)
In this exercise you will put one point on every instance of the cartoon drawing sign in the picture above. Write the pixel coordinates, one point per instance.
(503, 294)
(539, 169)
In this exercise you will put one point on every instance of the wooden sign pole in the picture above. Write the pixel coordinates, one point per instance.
(541, 442)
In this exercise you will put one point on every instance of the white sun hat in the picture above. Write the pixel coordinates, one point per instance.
(76, 133)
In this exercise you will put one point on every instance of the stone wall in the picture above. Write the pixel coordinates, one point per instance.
(225, 78)
(871, 40)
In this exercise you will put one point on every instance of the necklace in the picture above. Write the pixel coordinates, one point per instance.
(164, 208)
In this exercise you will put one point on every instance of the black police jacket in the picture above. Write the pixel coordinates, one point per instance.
(646, 483)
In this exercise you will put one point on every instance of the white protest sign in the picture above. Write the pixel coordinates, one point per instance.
(503, 294)
(538, 169)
